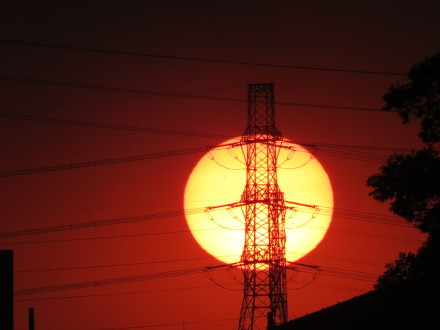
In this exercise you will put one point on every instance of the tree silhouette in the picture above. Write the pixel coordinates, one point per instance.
(412, 185)
(419, 99)
(411, 182)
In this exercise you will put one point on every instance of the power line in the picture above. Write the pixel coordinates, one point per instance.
(318, 148)
(365, 216)
(352, 215)
(196, 59)
(116, 294)
(343, 151)
(330, 230)
(330, 271)
(314, 145)
(337, 212)
(57, 83)
(108, 161)
(346, 149)
(110, 281)
(347, 260)
(149, 262)
(79, 239)
(93, 224)
(348, 274)
(109, 265)
(170, 324)
(352, 146)
(52, 120)
(329, 286)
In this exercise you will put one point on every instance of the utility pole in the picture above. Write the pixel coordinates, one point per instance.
(31, 318)
(263, 259)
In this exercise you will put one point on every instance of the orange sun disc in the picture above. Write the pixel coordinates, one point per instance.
(219, 178)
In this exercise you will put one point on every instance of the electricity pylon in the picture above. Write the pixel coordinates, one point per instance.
(263, 259)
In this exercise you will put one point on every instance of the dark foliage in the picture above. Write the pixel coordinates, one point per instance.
(419, 99)
(411, 182)
(412, 185)
(419, 270)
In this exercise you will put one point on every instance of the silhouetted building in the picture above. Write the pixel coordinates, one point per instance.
(6, 290)
(401, 307)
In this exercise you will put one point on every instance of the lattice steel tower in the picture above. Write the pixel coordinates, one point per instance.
(264, 258)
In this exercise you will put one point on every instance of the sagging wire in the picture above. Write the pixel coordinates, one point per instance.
(312, 217)
(211, 278)
(244, 153)
(290, 156)
(292, 213)
(234, 156)
(210, 217)
(306, 284)
(232, 276)
(294, 274)
(211, 157)
(299, 166)
(233, 215)
(279, 149)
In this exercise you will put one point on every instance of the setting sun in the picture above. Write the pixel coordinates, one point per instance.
(219, 179)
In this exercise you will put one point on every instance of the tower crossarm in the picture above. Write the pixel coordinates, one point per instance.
(265, 201)
(312, 206)
(225, 206)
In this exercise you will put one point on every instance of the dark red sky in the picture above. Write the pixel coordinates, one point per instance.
(380, 36)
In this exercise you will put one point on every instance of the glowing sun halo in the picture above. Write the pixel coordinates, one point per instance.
(219, 178)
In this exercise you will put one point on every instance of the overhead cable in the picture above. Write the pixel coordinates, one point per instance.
(323, 285)
(318, 149)
(352, 215)
(110, 281)
(68, 84)
(195, 59)
(311, 144)
(336, 272)
(98, 223)
(108, 161)
(52, 120)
